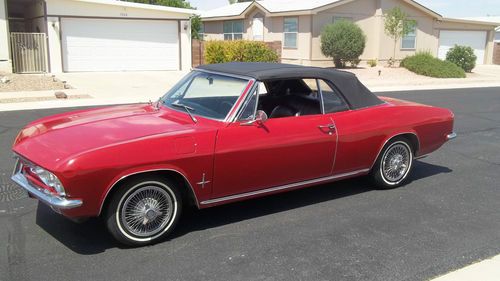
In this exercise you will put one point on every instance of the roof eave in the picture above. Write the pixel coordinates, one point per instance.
(488, 23)
(236, 16)
(143, 6)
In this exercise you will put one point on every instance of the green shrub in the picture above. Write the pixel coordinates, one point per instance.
(424, 63)
(372, 63)
(239, 50)
(355, 62)
(343, 41)
(214, 52)
(462, 56)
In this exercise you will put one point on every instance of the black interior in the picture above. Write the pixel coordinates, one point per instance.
(293, 97)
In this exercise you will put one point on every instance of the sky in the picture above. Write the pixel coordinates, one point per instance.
(447, 8)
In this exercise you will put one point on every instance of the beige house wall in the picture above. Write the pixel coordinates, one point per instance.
(5, 62)
(363, 14)
(427, 36)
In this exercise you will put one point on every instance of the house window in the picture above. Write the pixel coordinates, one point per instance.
(409, 41)
(201, 32)
(337, 19)
(233, 30)
(290, 31)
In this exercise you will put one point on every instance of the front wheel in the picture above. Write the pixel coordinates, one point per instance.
(394, 164)
(143, 211)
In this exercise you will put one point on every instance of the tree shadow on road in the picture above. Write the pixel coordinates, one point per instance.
(91, 237)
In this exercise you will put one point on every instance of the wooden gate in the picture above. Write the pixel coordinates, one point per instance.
(29, 52)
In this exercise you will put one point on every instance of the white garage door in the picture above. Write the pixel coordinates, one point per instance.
(474, 39)
(119, 45)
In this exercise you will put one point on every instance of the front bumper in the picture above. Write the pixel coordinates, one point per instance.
(54, 201)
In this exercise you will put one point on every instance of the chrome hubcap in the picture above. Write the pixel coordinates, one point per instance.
(147, 211)
(396, 162)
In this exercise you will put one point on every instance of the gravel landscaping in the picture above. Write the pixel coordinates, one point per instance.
(399, 76)
(29, 82)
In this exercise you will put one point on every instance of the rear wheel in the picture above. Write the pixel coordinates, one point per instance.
(144, 211)
(394, 164)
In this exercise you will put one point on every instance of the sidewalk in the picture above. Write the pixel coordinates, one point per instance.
(104, 88)
(487, 270)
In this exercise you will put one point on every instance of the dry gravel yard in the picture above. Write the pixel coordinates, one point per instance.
(482, 75)
(29, 82)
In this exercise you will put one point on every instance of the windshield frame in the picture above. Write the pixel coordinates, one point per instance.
(230, 115)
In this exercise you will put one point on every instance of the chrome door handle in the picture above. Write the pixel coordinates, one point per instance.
(329, 126)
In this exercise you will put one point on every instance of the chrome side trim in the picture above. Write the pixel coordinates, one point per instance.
(53, 201)
(388, 139)
(284, 187)
(146, 171)
(421, 156)
(451, 136)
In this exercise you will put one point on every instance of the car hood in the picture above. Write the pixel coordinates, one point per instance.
(54, 139)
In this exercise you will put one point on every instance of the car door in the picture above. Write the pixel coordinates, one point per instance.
(279, 151)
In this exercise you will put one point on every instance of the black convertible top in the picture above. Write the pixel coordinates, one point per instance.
(357, 95)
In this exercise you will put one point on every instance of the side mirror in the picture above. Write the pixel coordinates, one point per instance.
(260, 118)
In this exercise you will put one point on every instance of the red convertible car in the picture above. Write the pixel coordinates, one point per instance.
(224, 133)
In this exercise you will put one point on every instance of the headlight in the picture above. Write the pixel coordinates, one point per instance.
(49, 179)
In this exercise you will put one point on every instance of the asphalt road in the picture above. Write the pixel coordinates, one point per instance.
(446, 217)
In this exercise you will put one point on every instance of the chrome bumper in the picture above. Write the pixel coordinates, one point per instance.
(451, 136)
(53, 201)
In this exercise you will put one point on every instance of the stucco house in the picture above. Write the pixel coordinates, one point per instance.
(298, 25)
(98, 35)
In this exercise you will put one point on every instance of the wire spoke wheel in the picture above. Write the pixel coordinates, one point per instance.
(396, 162)
(147, 211)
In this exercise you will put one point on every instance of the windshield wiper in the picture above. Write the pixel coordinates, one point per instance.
(187, 109)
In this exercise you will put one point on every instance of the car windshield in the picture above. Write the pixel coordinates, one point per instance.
(205, 94)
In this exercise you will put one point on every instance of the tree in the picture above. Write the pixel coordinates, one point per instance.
(397, 24)
(171, 3)
(196, 27)
(343, 41)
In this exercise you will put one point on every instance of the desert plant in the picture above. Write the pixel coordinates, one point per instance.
(396, 25)
(343, 41)
(425, 63)
(372, 63)
(462, 56)
(239, 50)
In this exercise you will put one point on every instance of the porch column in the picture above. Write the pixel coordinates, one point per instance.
(5, 61)
(55, 55)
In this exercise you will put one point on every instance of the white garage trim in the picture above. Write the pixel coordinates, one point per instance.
(120, 44)
(476, 39)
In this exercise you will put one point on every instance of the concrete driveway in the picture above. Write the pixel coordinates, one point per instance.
(123, 86)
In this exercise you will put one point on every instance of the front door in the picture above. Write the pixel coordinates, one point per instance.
(258, 28)
(280, 151)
